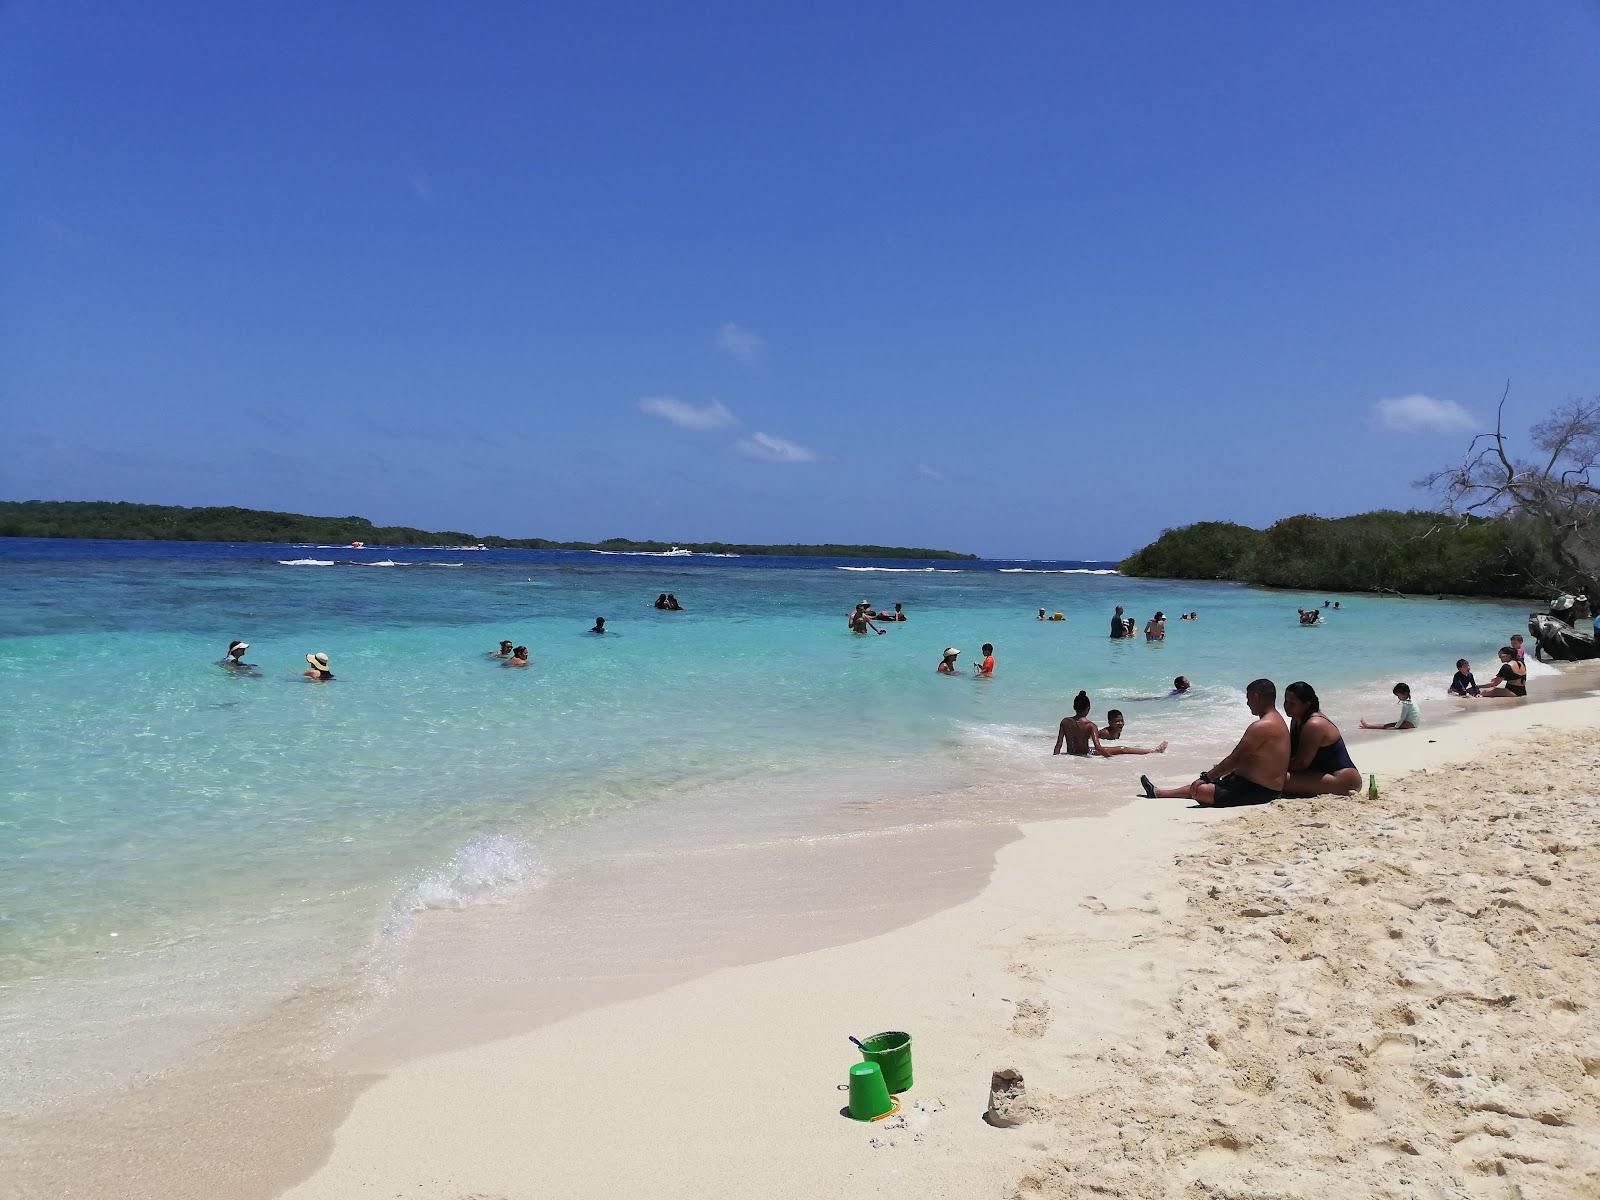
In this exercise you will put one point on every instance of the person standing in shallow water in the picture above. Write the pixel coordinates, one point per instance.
(986, 667)
(599, 625)
(1119, 627)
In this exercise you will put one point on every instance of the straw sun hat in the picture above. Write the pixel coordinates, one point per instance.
(319, 661)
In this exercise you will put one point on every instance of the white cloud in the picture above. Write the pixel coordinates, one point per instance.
(930, 472)
(714, 415)
(744, 345)
(1422, 414)
(774, 449)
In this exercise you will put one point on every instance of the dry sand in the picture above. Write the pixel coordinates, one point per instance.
(1328, 998)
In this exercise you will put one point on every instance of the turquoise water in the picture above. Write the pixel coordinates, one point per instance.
(176, 832)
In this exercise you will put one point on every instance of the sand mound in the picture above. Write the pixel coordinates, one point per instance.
(1389, 999)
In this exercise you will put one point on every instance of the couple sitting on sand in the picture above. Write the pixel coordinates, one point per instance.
(1081, 737)
(1304, 757)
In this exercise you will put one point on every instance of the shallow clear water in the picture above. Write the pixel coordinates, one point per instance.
(165, 821)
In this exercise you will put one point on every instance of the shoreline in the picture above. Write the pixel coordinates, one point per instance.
(512, 1117)
(313, 1095)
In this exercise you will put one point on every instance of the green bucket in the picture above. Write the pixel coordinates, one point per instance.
(892, 1053)
(869, 1099)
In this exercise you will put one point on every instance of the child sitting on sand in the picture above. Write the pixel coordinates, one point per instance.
(1409, 717)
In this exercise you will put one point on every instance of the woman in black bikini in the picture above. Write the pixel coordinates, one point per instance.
(1512, 678)
(1319, 763)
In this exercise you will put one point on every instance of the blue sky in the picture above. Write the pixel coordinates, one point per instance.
(1029, 280)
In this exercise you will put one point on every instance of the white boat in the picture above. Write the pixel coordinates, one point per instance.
(677, 552)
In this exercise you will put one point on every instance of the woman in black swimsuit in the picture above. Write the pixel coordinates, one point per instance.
(1511, 679)
(1319, 763)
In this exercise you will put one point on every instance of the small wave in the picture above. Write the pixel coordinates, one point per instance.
(1057, 571)
(906, 570)
(483, 871)
(305, 562)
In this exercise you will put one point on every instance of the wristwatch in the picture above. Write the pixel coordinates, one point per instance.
(1204, 777)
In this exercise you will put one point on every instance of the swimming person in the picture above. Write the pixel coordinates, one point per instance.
(897, 615)
(318, 671)
(661, 601)
(1254, 772)
(672, 603)
(986, 667)
(1041, 614)
(947, 664)
(234, 659)
(1410, 717)
(1119, 627)
(519, 657)
(1155, 628)
(503, 652)
(1511, 679)
(1462, 683)
(1319, 762)
(1180, 687)
(599, 625)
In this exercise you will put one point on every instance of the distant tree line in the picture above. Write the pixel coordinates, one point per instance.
(1410, 553)
(161, 522)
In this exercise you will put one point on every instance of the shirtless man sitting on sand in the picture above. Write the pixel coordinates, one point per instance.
(1256, 769)
(1079, 735)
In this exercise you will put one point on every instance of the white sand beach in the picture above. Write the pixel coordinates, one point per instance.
(1320, 998)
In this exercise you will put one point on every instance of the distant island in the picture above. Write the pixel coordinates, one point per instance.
(1404, 553)
(169, 523)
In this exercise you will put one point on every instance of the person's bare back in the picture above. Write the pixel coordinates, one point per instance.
(1262, 755)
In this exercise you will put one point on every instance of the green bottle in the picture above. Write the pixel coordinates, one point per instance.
(1372, 787)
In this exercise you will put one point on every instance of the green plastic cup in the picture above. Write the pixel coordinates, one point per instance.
(892, 1053)
(869, 1098)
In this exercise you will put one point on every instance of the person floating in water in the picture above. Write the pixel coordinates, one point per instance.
(1309, 616)
(986, 667)
(1319, 763)
(1409, 717)
(947, 664)
(503, 652)
(1119, 627)
(1254, 772)
(234, 659)
(318, 671)
(661, 601)
(672, 603)
(1180, 687)
(1462, 683)
(519, 657)
(897, 615)
(1511, 679)
(1155, 629)
(1041, 614)
(599, 625)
